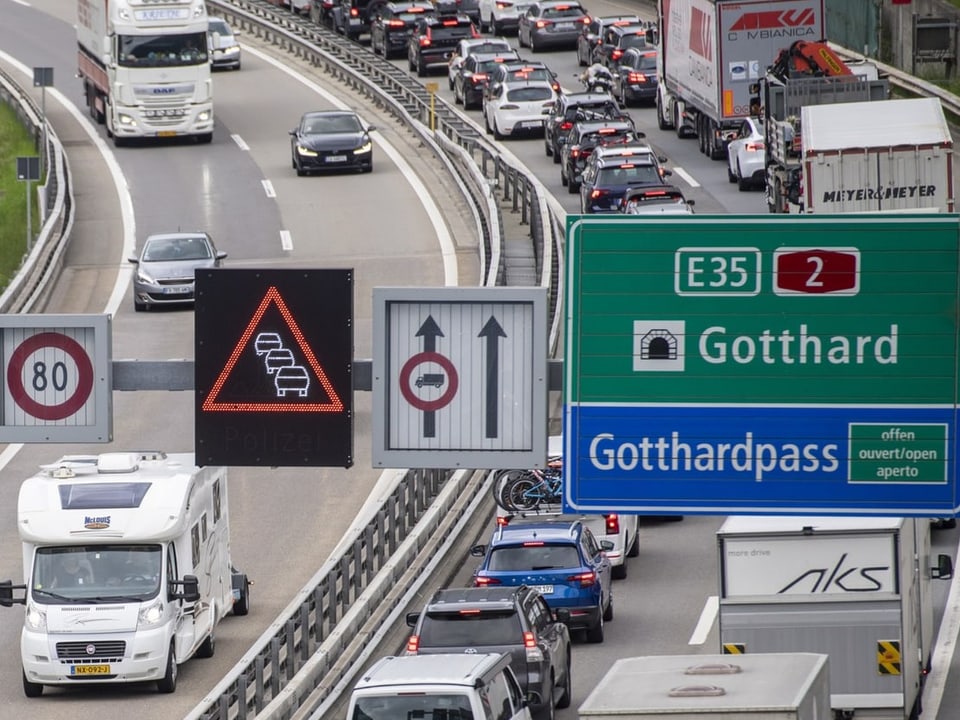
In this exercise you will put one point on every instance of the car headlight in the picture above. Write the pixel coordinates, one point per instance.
(306, 152)
(203, 116)
(365, 148)
(150, 615)
(36, 618)
(232, 50)
(125, 119)
(145, 278)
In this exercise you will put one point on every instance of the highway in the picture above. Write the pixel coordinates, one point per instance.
(285, 522)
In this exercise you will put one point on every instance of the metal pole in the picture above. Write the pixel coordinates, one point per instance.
(29, 220)
(43, 128)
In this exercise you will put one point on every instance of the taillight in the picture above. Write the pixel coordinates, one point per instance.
(754, 146)
(424, 41)
(543, 23)
(529, 640)
(636, 77)
(354, 12)
(585, 19)
(397, 23)
(586, 579)
(575, 152)
(613, 524)
(485, 581)
(534, 653)
(503, 5)
(566, 125)
(479, 77)
(503, 520)
(594, 194)
(413, 645)
(616, 54)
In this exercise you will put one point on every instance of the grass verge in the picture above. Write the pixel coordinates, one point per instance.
(15, 142)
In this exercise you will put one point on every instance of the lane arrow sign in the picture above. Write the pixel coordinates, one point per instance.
(491, 333)
(429, 331)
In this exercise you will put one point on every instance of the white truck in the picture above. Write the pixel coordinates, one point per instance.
(145, 67)
(711, 51)
(856, 589)
(773, 686)
(127, 570)
(885, 156)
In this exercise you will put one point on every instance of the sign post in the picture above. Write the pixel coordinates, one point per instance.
(731, 364)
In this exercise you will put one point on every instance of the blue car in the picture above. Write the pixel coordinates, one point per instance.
(562, 559)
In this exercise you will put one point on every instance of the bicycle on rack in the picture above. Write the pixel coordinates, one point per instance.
(524, 490)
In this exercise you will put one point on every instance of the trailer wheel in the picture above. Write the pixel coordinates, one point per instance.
(168, 683)
(31, 689)
(208, 647)
(661, 122)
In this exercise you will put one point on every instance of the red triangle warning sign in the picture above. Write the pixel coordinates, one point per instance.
(290, 379)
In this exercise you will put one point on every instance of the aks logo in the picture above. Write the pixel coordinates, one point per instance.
(701, 41)
(284, 374)
(774, 19)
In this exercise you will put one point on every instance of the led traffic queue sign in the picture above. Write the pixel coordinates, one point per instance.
(782, 365)
(273, 355)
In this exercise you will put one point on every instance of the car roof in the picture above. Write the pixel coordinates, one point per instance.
(588, 97)
(540, 530)
(176, 235)
(493, 598)
(611, 19)
(633, 29)
(329, 113)
(558, 3)
(401, 5)
(459, 669)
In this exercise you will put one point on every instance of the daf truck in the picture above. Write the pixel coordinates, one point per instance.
(127, 569)
(711, 51)
(145, 68)
(772, 686)
(855, 589)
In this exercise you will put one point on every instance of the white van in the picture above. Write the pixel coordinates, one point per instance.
(454, 687)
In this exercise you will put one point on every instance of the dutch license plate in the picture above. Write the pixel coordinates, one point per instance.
(337, 158)
(166, 133)
(544, 589)
(176, 290)
(532, 123)
(90, 670)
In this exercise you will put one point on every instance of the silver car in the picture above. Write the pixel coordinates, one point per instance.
(551, 23)
(224, 48)
(166, 265)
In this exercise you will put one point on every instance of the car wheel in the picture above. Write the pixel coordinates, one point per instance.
(634, 546)
(661, 123)
(572, 185)
(520, 41)
(449, 82)
(547, 148)
(456, 96)
(563, 176)
(742, 183)
(208, 647)
(421, 70)
(486, 123)
(497, 27)
(580, 59)
(731, 175)
(411, 67)
(31, 689)
(556, 155)
(595, 633)
(168, 683)
(549, 711)
(139, 306)
(533, 45)
(619, 572)
(567, 695)
(608, 611)
(497, 135)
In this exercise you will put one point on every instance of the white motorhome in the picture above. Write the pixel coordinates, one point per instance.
(854, 588)
(126, 561)
(145, 67)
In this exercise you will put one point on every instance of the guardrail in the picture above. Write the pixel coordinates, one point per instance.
(29, 288)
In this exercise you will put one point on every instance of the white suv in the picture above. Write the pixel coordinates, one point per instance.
(453, 686)
(497, 16)
(621, 530)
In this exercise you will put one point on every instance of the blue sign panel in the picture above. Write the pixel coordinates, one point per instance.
(750, 459)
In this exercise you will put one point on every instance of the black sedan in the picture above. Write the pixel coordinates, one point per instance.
(331, 140)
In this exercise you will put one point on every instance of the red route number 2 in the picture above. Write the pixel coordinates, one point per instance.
(816, 271)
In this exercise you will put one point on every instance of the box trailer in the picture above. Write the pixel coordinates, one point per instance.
(775, 686)
(891, 155)
(712, 51)
(856, 589)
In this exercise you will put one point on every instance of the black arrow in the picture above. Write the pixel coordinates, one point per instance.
(492, 332)
(429, 331)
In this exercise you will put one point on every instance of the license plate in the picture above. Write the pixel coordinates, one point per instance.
(337, 158)
(564, 26)
(176, 290)
(532, 123)
(90, 670)
(166, 133)
(544, 589)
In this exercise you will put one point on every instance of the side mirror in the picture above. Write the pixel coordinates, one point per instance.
(134, 260)
(6, 594)
(191, 588)
(662, 158)
(606, 545)
(944, 568)
(293, 132)
(372, 128)
(221, 254)
(478, 551)
(667, 173)
(691, 203)
(412, 619)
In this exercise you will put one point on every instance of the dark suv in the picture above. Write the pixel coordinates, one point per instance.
(582, 139)
(564, 114)
(616, 40)
(514, 620)
(392, 24)
(561, 559)
(434, 39)
(352, 17)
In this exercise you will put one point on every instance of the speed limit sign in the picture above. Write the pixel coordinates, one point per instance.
(56, 373)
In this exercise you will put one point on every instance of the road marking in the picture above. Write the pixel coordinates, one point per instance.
(268, 188)
(707, 617)
(286, 241)
(240, 143)
(686, 177)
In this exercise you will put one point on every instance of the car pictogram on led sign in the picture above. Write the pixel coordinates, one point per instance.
(816, 271)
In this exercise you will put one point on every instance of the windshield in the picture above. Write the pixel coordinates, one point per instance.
(534, 557)
(420, 706)
(470, 628)
(96, 573)
(529, 94)
(629, 175)
(176, 248)
(162, 50)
